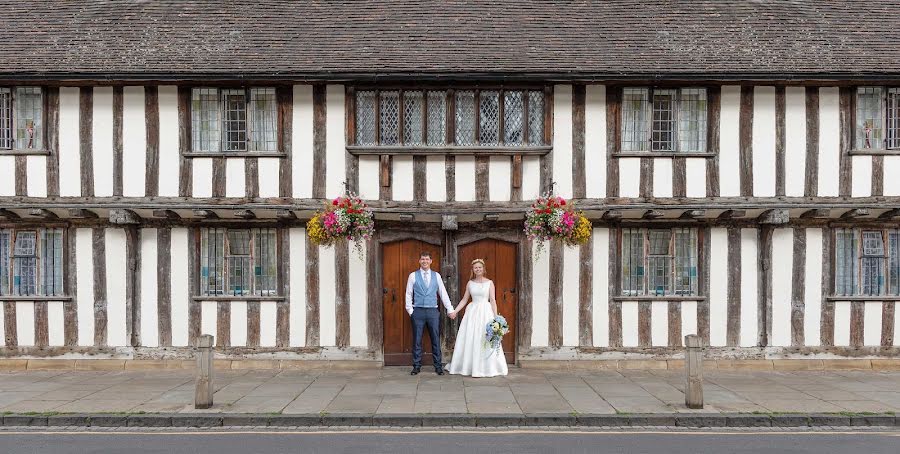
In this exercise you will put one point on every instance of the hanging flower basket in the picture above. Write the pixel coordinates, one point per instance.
(551, 217)
(346, 218)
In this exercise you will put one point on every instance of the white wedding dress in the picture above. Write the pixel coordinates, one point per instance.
(471, 356)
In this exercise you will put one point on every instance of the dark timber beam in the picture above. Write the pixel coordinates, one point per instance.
(406, 217)
(166, 214)
(890, 214)
(774, 217)
(816, 213)
(245, 214)
(123, 216)
(732, 214)
(42, 213)
(493, 217)
(612, 215)
(285, 215)
(855, 213)
(693, 214)
(82, 213)
(205, 214)
(449, 222)
(652, 214)
(6, 214)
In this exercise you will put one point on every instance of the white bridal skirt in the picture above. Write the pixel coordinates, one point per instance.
(471, 356)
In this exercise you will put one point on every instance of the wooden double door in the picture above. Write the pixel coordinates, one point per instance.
(400, 258)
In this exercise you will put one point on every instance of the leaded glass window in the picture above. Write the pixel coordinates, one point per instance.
(31, 262)
(869, 118)
(659, 262)
(21, 118)
(867, 262)
(419, 118)
(664, 120)
(893, 118)
(237, 262)
(234, 120)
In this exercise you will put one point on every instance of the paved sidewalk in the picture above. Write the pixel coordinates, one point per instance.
(392, 391)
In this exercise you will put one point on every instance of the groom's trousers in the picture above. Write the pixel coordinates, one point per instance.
(429, 317)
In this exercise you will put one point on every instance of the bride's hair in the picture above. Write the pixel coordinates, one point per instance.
(472, 273)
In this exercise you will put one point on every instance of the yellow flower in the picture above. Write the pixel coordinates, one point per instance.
(582, 232)
(316, 230)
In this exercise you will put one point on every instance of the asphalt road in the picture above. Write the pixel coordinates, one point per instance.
(448, 442)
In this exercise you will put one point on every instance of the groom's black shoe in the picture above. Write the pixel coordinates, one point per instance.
(415, 370)
(439, 371)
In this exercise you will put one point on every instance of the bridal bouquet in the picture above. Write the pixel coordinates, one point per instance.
(552, 217)
(494, 332)
(345, 218)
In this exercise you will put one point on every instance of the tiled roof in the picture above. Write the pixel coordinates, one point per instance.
(393, 38)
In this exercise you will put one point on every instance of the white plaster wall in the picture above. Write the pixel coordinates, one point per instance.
(829, 141)
(795, 141)
(891, 184)
(763, 141)
(695, 177)
(402, 177)
(812, 316)
(179, 286)
(202, 177)
(629, 177)
(749, 293)
(327, 295)
(134, 142)
(116, 272)
(435, 178)
(861, 176)
(84, 276)
(268, 322)
(562, 139)
(269, 176)
(718, 287)
(169, 153)
(149, 304)
(335, 142)
(359, 278)
(782, 285)
(209, 311)
(842, 323)
(662, 177)
(102, 136)
(297, 334)
(70, 142)
(55, 324)
(236, 177)
(872, 323)
(688, 319)
(595, 141)
(25, 323)
(369, 177)
(570, 296)
(7, 176)
(729, 142)
(302, 142)
(238, 323)
(600, 294)
(500, 175)
(36, 174)
(540, 296)
(531, 177)
(629, 324)
(2, 325)
(659, 323)
(465, 178)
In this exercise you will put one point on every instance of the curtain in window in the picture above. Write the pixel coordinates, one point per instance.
(869, 134)
(264, 263)
(205, 135)
(692, 120)
(6, 135)
(845, 262)
(894, 262)
(635, 104)
(25, 263)
(632, 262)
(893, 118)
(263, 119)
(686, 251)
(29, 118)
(4, 261)
(872, 263)
(212, 262)
(659, 262)
(51, 262)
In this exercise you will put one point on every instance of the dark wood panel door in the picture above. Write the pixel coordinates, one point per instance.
(400, 258)
(500, 259)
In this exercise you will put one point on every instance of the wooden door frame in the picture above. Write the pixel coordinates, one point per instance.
(509, 232)
(390, 232)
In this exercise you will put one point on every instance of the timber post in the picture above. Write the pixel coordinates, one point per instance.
(693, 366)
(203, 394)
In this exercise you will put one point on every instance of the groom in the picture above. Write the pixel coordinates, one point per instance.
(422, 289)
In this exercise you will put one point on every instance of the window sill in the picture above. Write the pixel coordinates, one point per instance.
(449, 150)
(34, 298)
(238, 298)
(234, 154)
(889, 152)
(663, 154)
(25, 152)
(864, 298)
(659, 298)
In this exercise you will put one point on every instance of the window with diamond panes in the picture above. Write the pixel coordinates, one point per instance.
(867, 262)
(234, 120)
(663, 120)
(21, 118)
(418, 118)
(31, 262)
(877, 118)
(238, 262)
(659, 262)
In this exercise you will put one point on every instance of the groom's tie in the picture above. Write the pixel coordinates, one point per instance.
(427, 277)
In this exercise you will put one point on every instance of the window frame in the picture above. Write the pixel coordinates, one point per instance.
(709, 118)
(226, 293)
(884, 149)
(450, 146)
(857, 276)
(44, 135)
(220, 118)
(672, 256)
(40, 292)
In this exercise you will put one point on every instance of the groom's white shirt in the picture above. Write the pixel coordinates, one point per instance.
(445, 298)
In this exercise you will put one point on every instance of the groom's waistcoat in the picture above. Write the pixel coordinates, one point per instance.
(425, 296)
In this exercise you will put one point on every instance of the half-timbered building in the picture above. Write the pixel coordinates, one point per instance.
(159, 160)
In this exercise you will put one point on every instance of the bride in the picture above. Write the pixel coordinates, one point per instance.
(471, 355)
